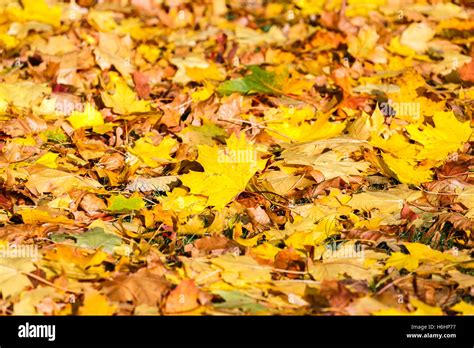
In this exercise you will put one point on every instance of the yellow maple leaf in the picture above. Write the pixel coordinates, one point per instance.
(48, 160)
(407, 171)
(203, 93)
(416, 36)
(35, 10)
(90, 117)
(96, 304)
(266, 251)
(400, 260)
(364, 45)
(288, 123)
(397, 144)
(418, 253)
(212, 72)
(310, 237)
(124, 100)
(36, 216)
(13, 279)
(463, 307)
(424, 309)
(179, 200)
(75, 263)
(154, 155)
(448, 135)
(8, 41)
(150, 53)
(362, 7)
(226, 171)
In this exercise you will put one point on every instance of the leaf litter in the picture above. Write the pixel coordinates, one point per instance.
(251, 157)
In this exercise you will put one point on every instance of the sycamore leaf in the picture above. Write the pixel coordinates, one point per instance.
(179, 200)
(196, 68)
(337, 268)
(116, 51)
(146, 286)
(120, 203)
(240, 270)
(401, 260)
(226, 171)
(296, 124)
(203, 135)
(364, 46)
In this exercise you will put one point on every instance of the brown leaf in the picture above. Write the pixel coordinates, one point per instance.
(183, 298)
(91, 203)
(338, 295)
(143, 287)
(290, 260)
(142, 84)
(467, 71)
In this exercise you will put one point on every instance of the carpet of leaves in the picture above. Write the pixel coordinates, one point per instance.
(215, 157)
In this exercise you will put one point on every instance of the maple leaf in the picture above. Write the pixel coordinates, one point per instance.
(90, 117)
(120, 203)
(447, 135)
(36, 10)
(464, 308)
(97, 238)
(74, 262)
(237, 300)
(407, 171)
(96, 304)
(259, 81)
(13, 279)
(124, 100)
(417, 253)
(48, 160)
(226, 171)
(30, 300)
(22, 94)
(146, 286)
(34, 216)
(183, 298)
(153, 155)
(334, 112)
(57, 182)
(290, 124)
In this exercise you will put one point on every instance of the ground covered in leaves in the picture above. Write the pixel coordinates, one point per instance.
(236, 157)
